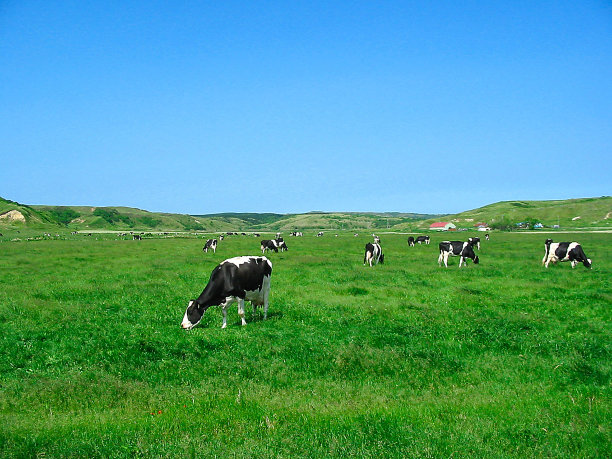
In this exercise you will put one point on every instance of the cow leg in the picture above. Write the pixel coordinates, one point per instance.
(440, 259)
(224, 309)
(446, 260)
(241, 310)
(460, 261)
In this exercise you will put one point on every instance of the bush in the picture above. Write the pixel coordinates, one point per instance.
(63, 215)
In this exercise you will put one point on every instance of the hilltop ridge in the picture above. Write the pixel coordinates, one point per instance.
(569, 213)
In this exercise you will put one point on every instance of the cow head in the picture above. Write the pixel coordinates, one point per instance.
(588, 263)
(193, 315)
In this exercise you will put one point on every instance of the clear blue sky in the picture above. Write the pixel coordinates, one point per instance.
(241, 106)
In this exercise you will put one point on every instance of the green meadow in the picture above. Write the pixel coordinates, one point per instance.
(405, 359)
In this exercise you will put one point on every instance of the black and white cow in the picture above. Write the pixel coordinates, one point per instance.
(475, 241)
(487, 236)
(376, 239)
(269, 245)
(280, 243)
(320, 233)
(456, 249)
(373, 253)
(421, 239)
(236, 279)
(221, 237)
(565, 251)
(135, 237)
(411, 241)
(210, 244)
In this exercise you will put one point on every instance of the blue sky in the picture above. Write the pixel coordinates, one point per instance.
(236, 106)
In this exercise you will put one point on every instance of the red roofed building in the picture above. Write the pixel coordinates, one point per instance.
(442, 226)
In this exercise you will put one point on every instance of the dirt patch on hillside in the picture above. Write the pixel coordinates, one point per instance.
(13, 216)
(607, 215)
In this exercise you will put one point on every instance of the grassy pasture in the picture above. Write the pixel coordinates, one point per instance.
(406, 359)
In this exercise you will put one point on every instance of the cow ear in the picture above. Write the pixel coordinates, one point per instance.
(190, 303)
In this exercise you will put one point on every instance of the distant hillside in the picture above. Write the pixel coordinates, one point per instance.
(571, 213)
(568, 213)
(15, 214)
(332, 221)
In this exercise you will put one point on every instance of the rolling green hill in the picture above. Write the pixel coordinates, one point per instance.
(570, 213)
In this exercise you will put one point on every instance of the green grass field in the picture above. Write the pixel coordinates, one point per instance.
(405, 359)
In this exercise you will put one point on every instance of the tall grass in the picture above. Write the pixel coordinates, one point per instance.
(405, 359)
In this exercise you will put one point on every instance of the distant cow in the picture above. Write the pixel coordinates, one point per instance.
(269, 245)
(236, 279)
(210, 244)
(456, 249)
(280, 243)
(487, 236)
(320, 233)
(422, 239)
(475, 242)
(221, 237)
(373, 253)
(565, 251)
(411, 241)
(135, 237)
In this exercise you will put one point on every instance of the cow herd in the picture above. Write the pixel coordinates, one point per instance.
(247, 278)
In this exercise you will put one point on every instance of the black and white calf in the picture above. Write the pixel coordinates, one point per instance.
(422, 239)
(411, 241)
(269, 245)
(456, 249)
(210, 244)
(373, 253)
(233, 280)
(565, 251)
(475, 241)
(487, 236)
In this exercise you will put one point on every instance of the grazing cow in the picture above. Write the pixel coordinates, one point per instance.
(280, 243)
(411, 241)
(221, 237)
(269, 245)
(236, 279)
(565, 251)
(487, 236)
(475, 241)
(373, 252)
(210, 244)
(136, 237)
(421, 239)
(456, 249)
(320, 233)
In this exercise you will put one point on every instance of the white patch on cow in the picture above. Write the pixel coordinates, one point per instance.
(245, 259)
(186, 324)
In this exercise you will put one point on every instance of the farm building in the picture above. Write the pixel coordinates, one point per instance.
(442, 226)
